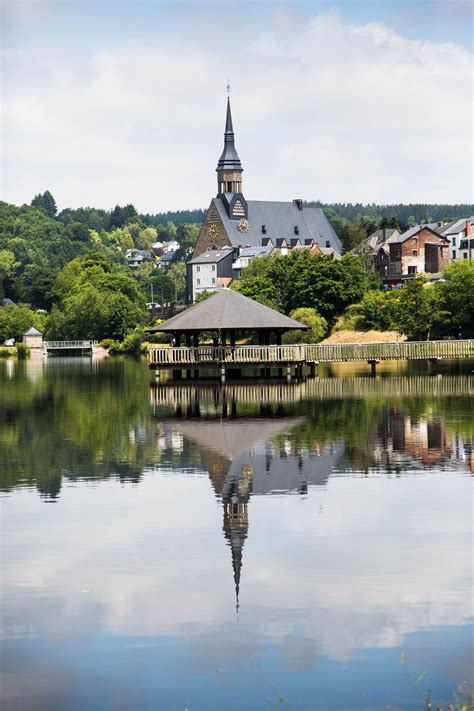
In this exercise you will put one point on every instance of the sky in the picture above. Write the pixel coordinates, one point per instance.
(115, 101)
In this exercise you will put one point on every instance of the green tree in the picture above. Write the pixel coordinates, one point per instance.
(45, 202)
(417, 309)
(16, 320)
(187, 236)
(309, 317)
(457, 296)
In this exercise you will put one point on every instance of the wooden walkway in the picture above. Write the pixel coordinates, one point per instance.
(67, 347)
(310, 354)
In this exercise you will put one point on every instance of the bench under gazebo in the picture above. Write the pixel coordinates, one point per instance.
(227, 317)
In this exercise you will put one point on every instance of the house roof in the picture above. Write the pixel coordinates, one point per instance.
(395, 239)
(256, 251)
(212, 256)
(228, 310)
(280, 220)
(33, 332)
(453, 228)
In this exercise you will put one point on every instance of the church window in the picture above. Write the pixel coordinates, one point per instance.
(238, 209)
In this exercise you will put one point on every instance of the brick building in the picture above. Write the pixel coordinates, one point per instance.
(419, 250)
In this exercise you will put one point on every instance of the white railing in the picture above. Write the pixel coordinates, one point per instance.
(76, 345)
(311, 353)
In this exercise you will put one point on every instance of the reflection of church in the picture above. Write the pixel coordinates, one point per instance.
(243, 461)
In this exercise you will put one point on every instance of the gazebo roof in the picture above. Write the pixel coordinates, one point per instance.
(33, 332)
(229, 310)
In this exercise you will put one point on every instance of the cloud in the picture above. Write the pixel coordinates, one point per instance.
(323, 108)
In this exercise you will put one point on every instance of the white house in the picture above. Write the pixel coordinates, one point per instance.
(209, 271)
(461, 237)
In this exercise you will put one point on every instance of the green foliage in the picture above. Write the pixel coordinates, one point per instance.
(305, 280)
(22, 351)
(204, 295)
(16, 320)
(186, 235)
(378, 310)
(96, 299)
(45, 202)
(7, 352)
(457, 295)
(309, 317)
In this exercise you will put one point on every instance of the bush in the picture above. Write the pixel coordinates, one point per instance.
(6, 352)
(22, 351)
(318, 327)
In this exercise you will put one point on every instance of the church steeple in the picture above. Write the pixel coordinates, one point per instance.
(229, 168)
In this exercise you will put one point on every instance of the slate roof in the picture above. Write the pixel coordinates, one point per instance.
(212, 256)
(33, 332)
(280, 220)
(229, 159)
(227, 309)
(256, 251)
(453, 228)
(395, 239)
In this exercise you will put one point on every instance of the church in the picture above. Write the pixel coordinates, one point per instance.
(232, 221)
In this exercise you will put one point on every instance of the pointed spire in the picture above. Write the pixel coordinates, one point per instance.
(228, 122)
(229, 159)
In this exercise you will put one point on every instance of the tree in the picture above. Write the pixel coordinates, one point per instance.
(45, 202)
(457, 295)
(16, 320)
(187, 236)
(309, 317)
(417, 309)
(177, 274)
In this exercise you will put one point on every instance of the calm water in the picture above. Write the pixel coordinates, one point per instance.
(188, 547)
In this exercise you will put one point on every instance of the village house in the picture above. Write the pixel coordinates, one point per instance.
(137, 257)
(461, 238)
(419, 250)
(234, 221)
(209, 271)
(247, 255)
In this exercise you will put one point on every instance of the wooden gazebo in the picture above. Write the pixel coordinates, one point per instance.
(226, 316)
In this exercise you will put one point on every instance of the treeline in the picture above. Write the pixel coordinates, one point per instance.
(416, 212)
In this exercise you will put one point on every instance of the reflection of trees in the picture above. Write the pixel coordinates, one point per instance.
(75, 423)
(65, 420)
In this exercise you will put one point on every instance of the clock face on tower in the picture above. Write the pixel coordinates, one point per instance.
(243, 225)
(213, 231)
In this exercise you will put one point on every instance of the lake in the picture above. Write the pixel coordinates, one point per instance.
(303, 545)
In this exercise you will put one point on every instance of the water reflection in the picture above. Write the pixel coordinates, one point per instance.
(344, 504)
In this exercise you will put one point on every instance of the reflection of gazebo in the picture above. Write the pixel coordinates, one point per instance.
(226, 314)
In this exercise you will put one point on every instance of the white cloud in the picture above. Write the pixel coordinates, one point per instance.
(322, 109)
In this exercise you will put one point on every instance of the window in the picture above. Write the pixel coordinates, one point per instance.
(415, 240)
(414, 252)
(328, 243)
(453, 242)
(453, 254)
(198, 281)
(464, 255)
(213, 280)
(213, 267)
(412, 270)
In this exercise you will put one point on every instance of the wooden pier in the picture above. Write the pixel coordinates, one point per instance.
(69, 347)
(296, 356)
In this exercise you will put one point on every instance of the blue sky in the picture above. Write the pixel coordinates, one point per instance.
(119, 101)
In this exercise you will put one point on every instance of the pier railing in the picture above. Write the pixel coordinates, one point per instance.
(310, 353)
(70, 345)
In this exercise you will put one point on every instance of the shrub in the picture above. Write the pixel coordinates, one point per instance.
(318, 327)
(22, 351)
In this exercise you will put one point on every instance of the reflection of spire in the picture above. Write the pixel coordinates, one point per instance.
(235, 531)
(235, 497)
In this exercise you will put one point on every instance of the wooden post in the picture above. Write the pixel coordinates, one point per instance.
(373, 366)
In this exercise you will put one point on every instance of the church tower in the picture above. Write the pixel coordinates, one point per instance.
(229, 175)
(229, 168)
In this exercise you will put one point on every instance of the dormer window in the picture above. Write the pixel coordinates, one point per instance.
(264, 230)
(328, 243)
(297, 230)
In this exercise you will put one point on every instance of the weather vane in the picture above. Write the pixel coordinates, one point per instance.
(228, 87)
